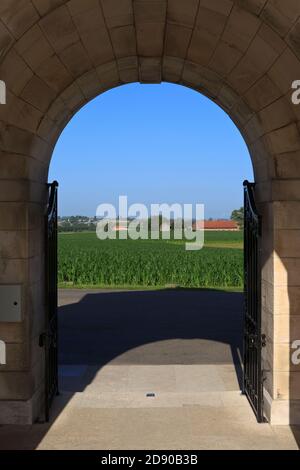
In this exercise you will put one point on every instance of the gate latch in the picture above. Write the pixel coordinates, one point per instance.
(254, 341)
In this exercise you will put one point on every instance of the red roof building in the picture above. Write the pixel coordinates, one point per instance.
(220, 225)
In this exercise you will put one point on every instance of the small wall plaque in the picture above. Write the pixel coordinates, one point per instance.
(10, 303)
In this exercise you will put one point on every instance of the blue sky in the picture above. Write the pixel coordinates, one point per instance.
(156, 144)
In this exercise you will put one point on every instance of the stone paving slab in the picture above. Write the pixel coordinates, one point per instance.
(107, 416)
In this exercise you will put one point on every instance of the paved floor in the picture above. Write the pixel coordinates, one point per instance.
(150, 370)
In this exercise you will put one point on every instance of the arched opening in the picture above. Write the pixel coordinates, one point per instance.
(178, 336)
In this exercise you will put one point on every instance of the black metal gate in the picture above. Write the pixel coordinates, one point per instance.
(48, 339)
(254, 341)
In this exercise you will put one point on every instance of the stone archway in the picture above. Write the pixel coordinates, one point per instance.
(56, 55)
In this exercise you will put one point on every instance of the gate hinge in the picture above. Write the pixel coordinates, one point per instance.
(263, 341)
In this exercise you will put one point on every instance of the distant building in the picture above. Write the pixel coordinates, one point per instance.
(218, 225)
(121, 226)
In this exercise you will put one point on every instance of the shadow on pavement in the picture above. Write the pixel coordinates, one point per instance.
(152, 328)
(141, 328)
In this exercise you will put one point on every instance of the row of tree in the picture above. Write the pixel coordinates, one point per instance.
(82, 223)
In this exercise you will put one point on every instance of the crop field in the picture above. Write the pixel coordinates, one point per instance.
(85, 261)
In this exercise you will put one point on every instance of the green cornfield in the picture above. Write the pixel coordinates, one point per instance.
(85, 261)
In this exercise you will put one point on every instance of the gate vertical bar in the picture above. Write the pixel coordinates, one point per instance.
(253, 380)
(48, 339)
